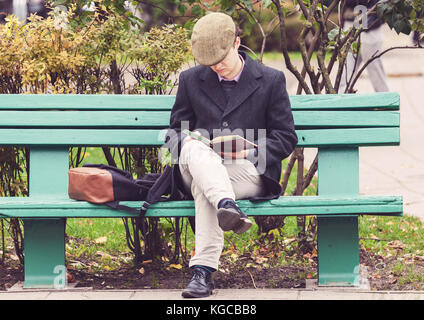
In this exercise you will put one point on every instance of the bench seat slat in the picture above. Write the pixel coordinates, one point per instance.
(142, 119)
(122, 137)
(304, 205)
(381, 100)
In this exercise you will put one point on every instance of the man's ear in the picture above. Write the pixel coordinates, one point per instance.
(237, 42)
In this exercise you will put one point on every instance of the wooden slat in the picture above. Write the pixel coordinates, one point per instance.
(349, 137)
(81, 137)
(381, 100)
(346, 119)
(141, 119)
(84, 119)
(85, 102)
(304, 205)
(122, 137)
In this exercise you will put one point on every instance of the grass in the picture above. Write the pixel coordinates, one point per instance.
(98, 236)
(376, 232)
(389, 235)
(100, 244)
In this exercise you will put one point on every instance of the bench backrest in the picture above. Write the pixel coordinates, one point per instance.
(50, 124)
(321, 120)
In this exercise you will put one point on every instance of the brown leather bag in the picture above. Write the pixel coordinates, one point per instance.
(90, 184)
(103, 184)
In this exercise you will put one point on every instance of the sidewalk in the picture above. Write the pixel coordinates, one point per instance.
(219, 294)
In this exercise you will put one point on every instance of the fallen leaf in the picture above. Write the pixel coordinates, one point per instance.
(141, 270)
(105, 255)
(70, 278)
(176, 266)
(100, 240)
(146, 262)
(396, 244)
(234, 256)
(226, 252)
(260, 259)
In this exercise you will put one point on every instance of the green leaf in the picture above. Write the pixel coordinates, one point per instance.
(182, 9)
(197, 10)
(333, 34)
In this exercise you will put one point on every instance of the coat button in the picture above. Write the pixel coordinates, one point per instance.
(225, 124)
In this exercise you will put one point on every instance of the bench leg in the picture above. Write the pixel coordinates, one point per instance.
(338, 242)
(44, 247)
(338, 251)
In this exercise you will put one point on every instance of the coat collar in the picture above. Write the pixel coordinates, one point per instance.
(246, 85)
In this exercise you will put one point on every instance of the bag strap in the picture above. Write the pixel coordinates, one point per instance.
(157, 190)
(115, 205)
(109, 168)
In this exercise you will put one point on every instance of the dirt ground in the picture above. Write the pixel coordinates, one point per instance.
(383, 274)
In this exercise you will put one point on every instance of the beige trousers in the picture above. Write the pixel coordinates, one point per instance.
(209, 178)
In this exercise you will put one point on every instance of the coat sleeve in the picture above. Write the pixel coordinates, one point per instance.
(182, 117)
(281, 138)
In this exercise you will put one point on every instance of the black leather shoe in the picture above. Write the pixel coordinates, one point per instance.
(201, 284)
(230, 217)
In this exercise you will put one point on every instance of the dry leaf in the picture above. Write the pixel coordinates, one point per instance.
(396, 244)
(105, 255)
(141, 270)
(176, 266)
(100, 240)
(260, 260)
(146, 262)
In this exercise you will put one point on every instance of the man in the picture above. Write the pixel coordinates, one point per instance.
(371, 43)
(227, 93)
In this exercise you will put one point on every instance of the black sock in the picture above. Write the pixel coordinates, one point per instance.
(208, 269)
(224, 201)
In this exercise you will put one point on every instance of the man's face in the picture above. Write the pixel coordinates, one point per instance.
(227, 66)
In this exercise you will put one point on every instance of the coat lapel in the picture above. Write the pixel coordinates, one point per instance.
(211, 87)
(247, 84)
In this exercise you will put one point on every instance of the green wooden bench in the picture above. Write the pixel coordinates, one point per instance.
(49, 124)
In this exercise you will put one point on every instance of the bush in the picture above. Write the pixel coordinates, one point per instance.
(57, 55)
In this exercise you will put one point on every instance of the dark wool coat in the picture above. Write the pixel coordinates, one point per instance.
(258, 101)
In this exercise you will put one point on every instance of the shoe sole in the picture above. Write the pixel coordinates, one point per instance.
(188, 294)
(243, 226)
(228, 219)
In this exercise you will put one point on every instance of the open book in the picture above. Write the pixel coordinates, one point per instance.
(230, 143)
